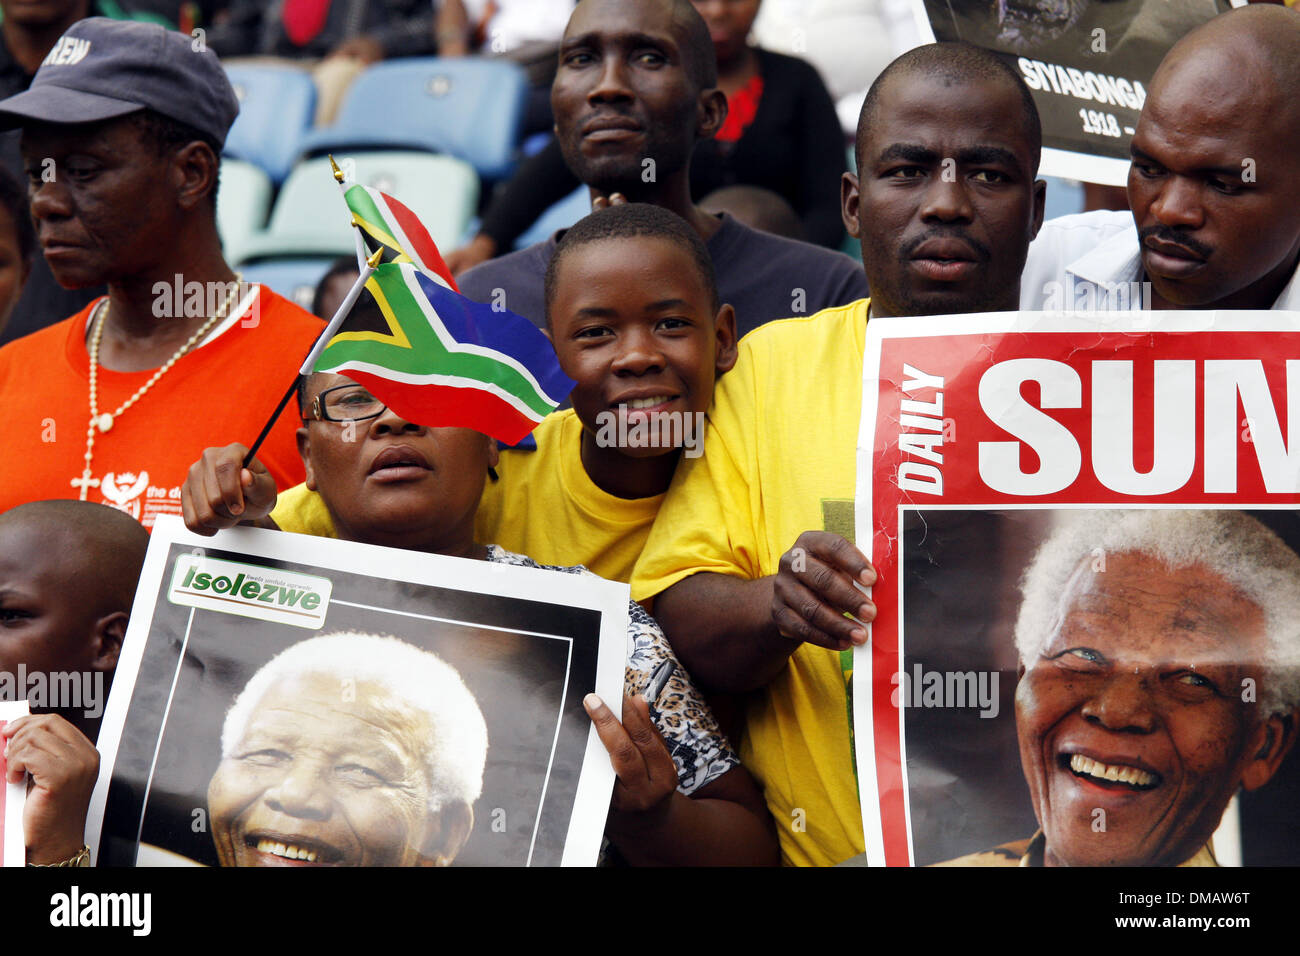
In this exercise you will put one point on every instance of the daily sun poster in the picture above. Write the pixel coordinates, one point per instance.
(1086, 650)
(284, 700)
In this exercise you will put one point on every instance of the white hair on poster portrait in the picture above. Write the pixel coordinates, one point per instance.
(1230, 543)
(455, 751)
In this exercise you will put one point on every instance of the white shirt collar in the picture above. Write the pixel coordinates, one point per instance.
(1119, 260)
(1290, 297)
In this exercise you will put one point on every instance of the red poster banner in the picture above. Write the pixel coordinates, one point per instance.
(1161, 446)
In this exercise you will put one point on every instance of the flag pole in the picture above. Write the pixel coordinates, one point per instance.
(368, 267)
(361, 245)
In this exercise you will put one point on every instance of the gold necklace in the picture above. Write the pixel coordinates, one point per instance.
(105, 421)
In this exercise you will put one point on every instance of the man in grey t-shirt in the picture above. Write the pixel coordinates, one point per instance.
(635, 91)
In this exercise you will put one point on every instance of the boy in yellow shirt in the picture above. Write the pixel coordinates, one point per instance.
(632, 309)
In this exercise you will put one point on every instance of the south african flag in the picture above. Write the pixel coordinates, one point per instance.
(448, 362)
(387, 223)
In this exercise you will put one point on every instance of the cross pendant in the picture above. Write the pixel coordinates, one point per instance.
(85, 483)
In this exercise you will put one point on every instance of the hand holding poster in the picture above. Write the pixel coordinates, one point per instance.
(1085, 537)
(1088, 63)
(293, 701)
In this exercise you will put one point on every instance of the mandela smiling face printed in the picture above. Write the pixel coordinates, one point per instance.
(1136, 710)
(329, 761)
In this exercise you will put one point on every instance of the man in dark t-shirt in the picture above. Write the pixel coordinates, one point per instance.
(760, 275)
(635, 91)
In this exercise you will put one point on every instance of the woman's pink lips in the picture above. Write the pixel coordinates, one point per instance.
(397, 457)
(399, 473)
(399, 463)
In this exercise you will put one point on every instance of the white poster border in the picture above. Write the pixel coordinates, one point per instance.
(608, 598)
(15, 841)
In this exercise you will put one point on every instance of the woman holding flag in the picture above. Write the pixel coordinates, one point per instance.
(682, 796)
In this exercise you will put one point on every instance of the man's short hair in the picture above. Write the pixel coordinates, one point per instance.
(628, 221)
(108, 546)
(1229, 543)
(953, 63)
(1272, 34)
(456, 747)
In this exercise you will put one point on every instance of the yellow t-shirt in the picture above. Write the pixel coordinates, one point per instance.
(543, 505)
(779, 459)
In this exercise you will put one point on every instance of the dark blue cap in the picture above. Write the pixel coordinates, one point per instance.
(101, 68)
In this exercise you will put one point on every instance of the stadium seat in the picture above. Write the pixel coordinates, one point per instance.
(243, 201)
(469, 108)
(562, 215)
(295, 279)
(276, 104)
(310, 218)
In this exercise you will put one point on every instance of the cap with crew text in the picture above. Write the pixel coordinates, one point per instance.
(101, 69)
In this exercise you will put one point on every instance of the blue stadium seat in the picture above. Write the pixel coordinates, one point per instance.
(276, 105)
(562, 215)
(470, 108)
(310, 217)
(295, 279)
(243, 202)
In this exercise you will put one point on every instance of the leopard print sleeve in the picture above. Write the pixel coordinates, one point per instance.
(699, 749)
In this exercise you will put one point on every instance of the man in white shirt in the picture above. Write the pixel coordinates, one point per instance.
(1214, 185)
